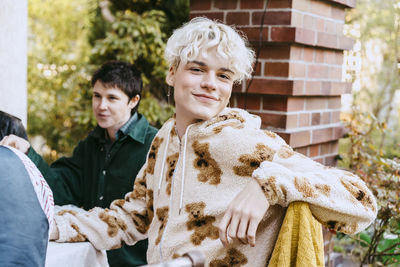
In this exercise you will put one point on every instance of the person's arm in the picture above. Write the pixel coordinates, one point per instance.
(126, 221)
(337, 198)
(64, 176)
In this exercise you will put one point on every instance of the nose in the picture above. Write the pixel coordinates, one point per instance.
(103, 104)
(209, 81)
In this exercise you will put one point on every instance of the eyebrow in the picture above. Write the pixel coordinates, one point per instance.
(204, 64)
(106, 95)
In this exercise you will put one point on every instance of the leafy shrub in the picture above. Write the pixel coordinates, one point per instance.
(379, 244)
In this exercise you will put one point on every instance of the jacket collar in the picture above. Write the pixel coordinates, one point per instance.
(136, 128)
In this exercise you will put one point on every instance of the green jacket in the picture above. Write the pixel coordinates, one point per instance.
(91, 177)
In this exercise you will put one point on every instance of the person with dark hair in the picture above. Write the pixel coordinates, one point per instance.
(104, 165)
(121, 75)
(10, 124)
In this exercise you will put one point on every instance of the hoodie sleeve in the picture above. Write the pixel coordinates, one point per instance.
(126, 221)
(338, 199)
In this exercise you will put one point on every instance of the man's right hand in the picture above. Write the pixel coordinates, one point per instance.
(16, 142)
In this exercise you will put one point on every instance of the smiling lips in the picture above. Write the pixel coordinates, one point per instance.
(206, 98)
(102, 115)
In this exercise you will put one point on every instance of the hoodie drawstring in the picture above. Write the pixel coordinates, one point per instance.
(183, 164)
(164, 158)
(183, 168)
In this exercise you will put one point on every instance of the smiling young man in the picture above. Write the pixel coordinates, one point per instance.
(104, 165)
(212, 172)
(193, 102)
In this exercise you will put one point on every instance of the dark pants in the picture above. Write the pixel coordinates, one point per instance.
(23, 224)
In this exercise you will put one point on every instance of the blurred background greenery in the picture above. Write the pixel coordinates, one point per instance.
(69, 39)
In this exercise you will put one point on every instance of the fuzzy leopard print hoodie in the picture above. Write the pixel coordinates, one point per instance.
(183, 190)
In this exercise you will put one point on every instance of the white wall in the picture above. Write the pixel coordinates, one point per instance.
(13, 57)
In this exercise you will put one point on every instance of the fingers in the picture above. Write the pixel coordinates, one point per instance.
(241, 226)
(233, 226)
(243, 215)
(222, 228)
(251, 231)
(244, 227)
(242, 231)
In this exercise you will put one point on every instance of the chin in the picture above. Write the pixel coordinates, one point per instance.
(103, 125)
(207, 115)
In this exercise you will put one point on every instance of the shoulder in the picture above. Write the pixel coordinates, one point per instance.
(89, 140)
(240, 138)
(88, 144)
(93, 136)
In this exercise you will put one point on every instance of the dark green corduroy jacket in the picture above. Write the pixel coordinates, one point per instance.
(91, 177)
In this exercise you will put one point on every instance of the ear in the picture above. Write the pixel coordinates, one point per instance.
(170, 76)
(134, 101)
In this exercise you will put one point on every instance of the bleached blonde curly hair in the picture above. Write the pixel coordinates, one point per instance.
(200, 34)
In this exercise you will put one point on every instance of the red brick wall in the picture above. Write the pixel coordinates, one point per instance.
(297, 84)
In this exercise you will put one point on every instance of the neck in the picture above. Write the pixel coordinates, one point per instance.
(181, 125)
(111, 134)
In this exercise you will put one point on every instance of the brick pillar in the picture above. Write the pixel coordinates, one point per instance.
(297, 85)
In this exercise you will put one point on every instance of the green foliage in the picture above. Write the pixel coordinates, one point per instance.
(366, 238)
(176, 11)
(69, 39)
(138, 34)
(375, 25)
(58, 87)
(155, 111)
(380, 243)
(136, 38)
(371, 148)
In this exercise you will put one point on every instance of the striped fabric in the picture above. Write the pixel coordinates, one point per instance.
(124, 130)
(43, 191)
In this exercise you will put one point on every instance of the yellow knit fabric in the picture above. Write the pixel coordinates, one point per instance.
(300, 242)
